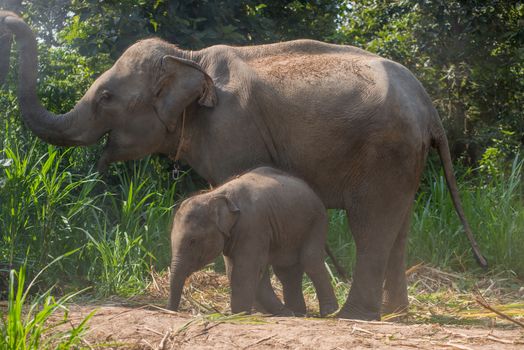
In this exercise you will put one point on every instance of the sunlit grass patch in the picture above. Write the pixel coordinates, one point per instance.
(513, 309)
(450, 308)
(450, 298)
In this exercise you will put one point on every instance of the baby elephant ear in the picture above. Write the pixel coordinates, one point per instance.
(224, 212)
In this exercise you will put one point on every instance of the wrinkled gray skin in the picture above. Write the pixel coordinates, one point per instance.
(264, 217)
(356, 127)
(5, 46)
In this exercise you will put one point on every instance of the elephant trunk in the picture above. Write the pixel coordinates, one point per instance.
(62, 130)
(176, 285)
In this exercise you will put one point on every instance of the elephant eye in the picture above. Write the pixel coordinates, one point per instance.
(192, 241)
(105, 96)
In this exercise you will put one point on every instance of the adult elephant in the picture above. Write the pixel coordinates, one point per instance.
(355, 126)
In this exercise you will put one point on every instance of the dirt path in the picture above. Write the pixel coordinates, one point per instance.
(146, 327)
(436, 304)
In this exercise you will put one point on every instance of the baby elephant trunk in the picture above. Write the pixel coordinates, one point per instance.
(176, 285)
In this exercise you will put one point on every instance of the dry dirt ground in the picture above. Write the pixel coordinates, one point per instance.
(142, 323)
(121, 327)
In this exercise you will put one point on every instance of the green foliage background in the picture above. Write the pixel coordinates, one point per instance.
(468, 54)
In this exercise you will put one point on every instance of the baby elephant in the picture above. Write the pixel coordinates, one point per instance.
(264, 217)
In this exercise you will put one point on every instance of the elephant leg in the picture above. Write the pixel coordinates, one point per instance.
(291, 278)
(312, 258)
(395, 284)
(244, 282)
(266, 299)
(376, 212)
(327, 300)
(246, 267)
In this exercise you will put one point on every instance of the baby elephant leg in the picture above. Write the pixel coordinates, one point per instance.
(266, 299)
(246, 266)
(326, 296)
(313, 261)
(291, 279)
(243, 281)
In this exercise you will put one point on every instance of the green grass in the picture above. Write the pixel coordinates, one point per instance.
(495, 210)
(119, 264)
(28, 323)
(51, 203)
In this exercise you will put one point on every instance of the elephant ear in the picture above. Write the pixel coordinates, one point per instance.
(181, 82)
(224, 212)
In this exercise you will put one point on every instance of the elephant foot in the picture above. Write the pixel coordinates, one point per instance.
(388, 308)
(328, 309)
(260, 308)
(394, 312)
(353, 313)
(285, 312)
(280, 311)
(297, 312)
(395, 305)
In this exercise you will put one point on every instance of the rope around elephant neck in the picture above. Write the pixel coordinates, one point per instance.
(181, 140)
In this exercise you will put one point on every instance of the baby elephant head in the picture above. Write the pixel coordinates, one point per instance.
(200, 228)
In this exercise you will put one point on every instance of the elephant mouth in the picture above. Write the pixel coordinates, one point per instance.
(116, 149)
(104, 160)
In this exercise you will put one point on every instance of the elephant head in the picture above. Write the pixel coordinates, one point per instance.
(137, 102)
(201, 227)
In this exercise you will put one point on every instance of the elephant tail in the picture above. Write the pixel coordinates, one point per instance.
(440, 141)
(340, 270)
